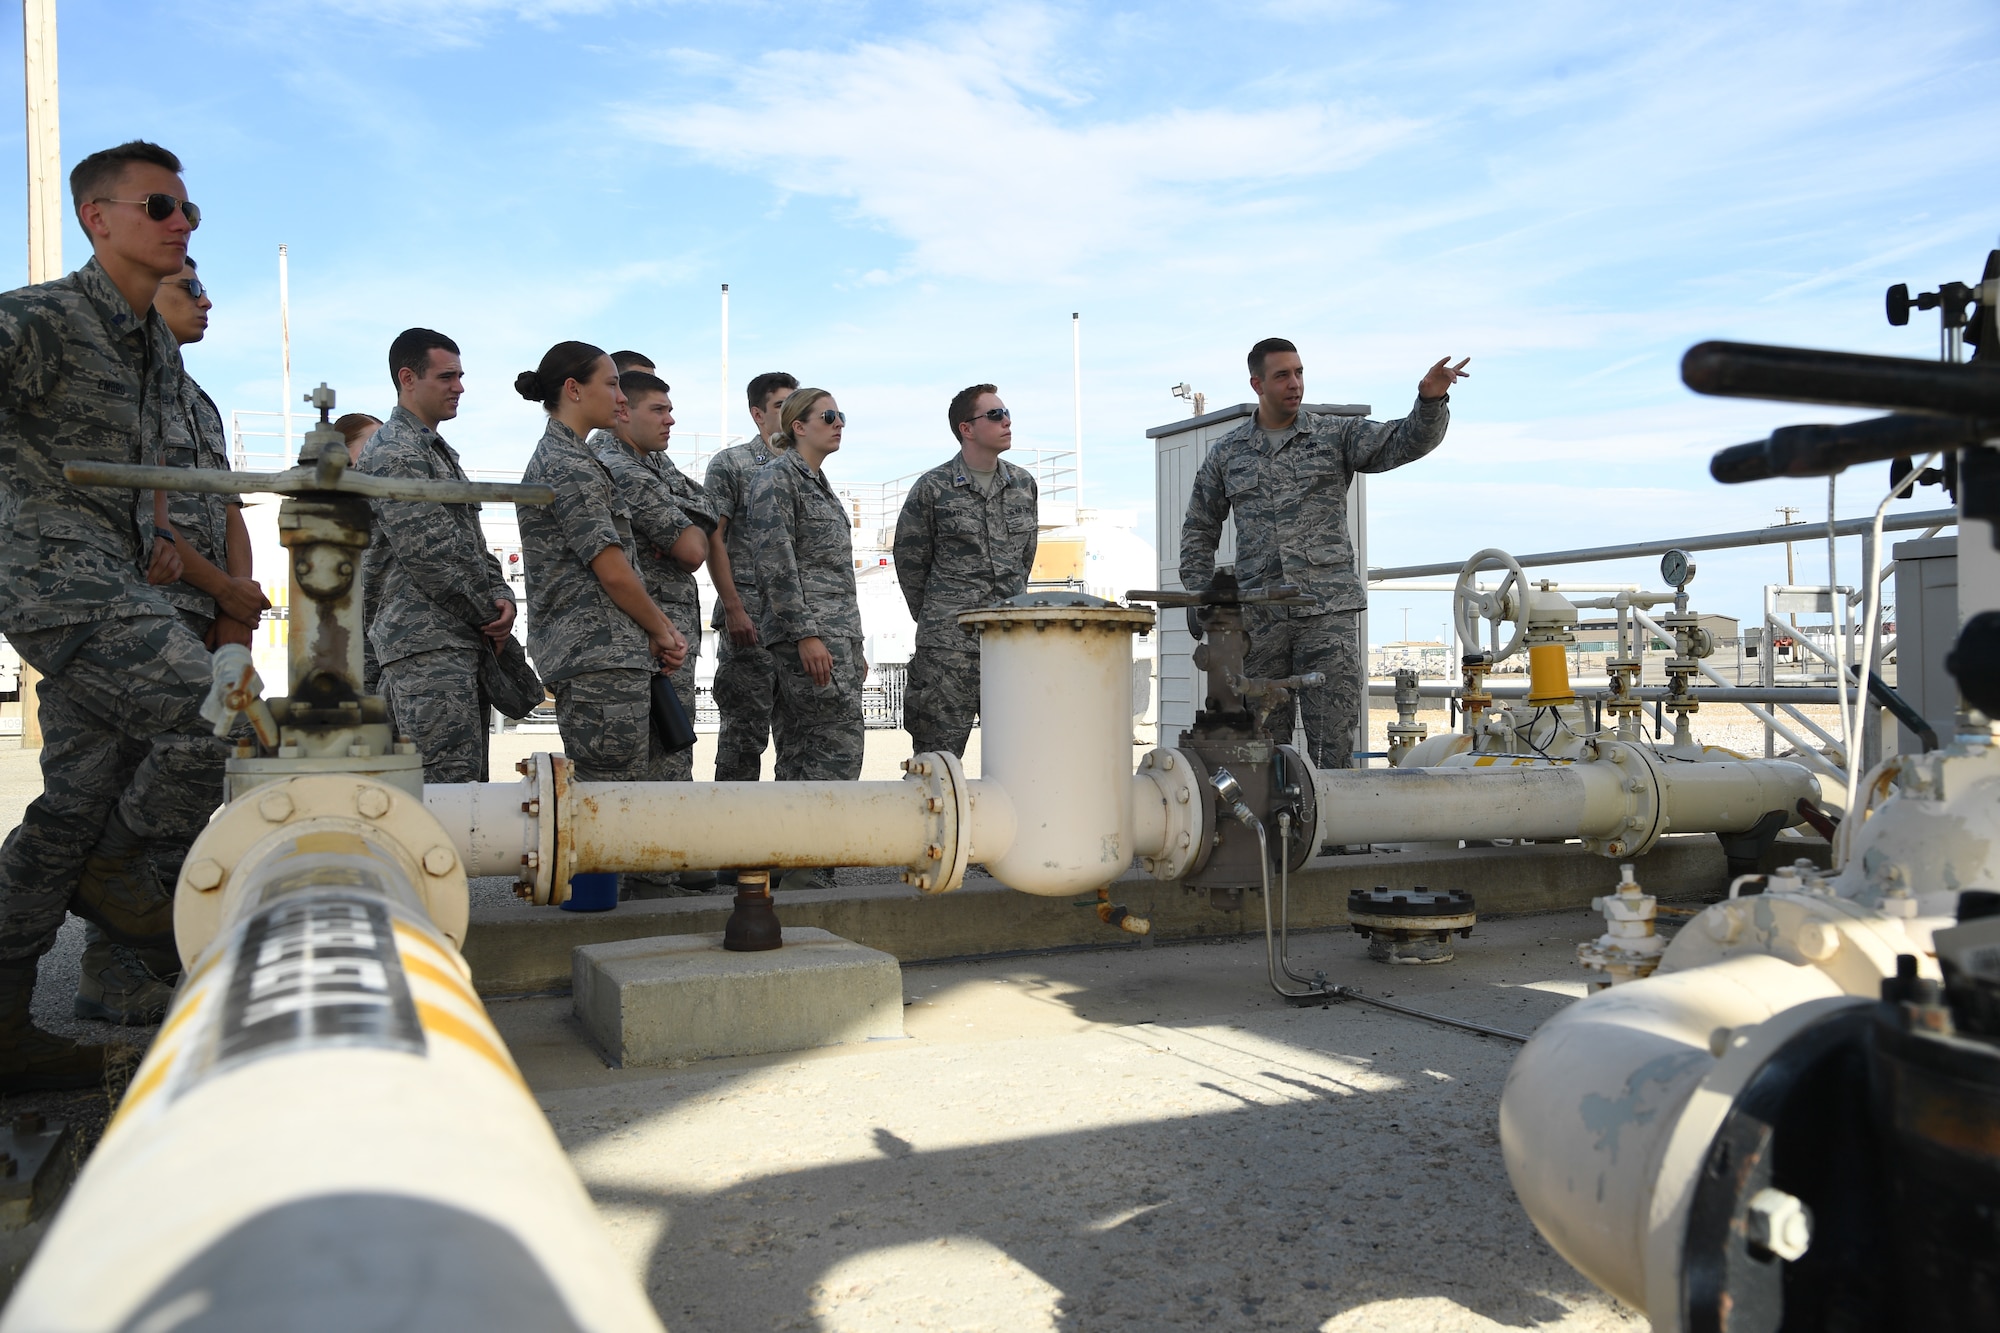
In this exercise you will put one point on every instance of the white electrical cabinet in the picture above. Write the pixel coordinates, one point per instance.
(1178, 449)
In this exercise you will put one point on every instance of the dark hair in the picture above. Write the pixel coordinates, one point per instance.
(961, 411)
(760, 387)
(1264, 349)
(624, 361)
(352, 424)
(560, 364)
(102, 169)
(632, 383)
(412, 352)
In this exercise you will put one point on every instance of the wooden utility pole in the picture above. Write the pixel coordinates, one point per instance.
(45, 220)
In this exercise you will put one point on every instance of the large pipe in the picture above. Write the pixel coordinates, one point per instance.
(1623, 800)
(707, 825)
(327, 1133)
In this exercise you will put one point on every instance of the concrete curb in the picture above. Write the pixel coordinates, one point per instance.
(518, 951)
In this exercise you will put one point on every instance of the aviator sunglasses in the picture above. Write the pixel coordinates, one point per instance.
(192, 286)
(160, 206)
(994, 414)
(833, 418)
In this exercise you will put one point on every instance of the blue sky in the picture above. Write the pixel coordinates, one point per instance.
(908, 199)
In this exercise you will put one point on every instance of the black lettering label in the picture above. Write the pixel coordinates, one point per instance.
(318, 969)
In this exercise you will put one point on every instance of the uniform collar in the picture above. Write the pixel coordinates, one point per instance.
(1301, 425)
(405, 422)
(961, 472)
(96, 284)
(794, 458)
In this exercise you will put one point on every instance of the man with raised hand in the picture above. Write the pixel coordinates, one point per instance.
(746, 682)
(1284, 473)
(966, 538)
(437, 594)
(89, 370)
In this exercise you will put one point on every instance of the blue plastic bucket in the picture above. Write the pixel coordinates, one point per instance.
(592, 893)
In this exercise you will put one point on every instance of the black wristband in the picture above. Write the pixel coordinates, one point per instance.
(167, 533)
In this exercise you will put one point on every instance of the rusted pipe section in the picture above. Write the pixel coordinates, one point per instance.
(1115, 914)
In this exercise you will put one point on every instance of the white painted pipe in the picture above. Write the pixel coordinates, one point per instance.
(1625, 798)
(1055, 704)
(491, 823)
(664, 826)
(327, 1132)
(1593, 1102)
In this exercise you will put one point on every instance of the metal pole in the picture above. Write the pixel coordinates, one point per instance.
(1076, 399)
(285, 339)
(45, 219)
(722, 425)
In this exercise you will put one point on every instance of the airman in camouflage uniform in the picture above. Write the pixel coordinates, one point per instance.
(90, 371)
(803, 541)
(435, 587)
(1287, 483)
(966, 538)
(665, 504)
(590, 653)
(745, 684)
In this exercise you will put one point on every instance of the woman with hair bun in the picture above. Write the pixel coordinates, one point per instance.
(596, 635)
(803, 539)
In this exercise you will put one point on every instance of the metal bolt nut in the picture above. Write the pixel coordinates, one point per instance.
(204, 875)
(533, 807)
(1818, 941)
(532, 860)
(1182, 795)
(935, 804)
(276, 807)
(372, 802)
(524, 766)
(934, 852)
(439, 860)
(1780, 1223)
(1723, 924)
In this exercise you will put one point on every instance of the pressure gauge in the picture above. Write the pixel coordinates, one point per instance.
(1677, 569)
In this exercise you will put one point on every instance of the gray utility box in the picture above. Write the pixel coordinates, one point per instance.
(1926, 628)
(1178, 449)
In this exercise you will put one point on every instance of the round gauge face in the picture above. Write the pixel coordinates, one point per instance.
(1675, 569)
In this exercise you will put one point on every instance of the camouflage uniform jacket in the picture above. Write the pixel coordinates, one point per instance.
(728, 488)
(573, 625)
(957, 548)
(201, 520)
(664, 503)
(431, 582)
(804, 544)
(81, 377)
(1290, 500)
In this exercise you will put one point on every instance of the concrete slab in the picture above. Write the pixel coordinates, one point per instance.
(519, 949)
(674, 998)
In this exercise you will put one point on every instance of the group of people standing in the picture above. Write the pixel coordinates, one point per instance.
(117, 598)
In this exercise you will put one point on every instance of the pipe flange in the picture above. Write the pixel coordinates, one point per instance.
(1178, 779)
(1305, 831)
(948, 796)
(1644, 809)
(538, 850)
(332, 812)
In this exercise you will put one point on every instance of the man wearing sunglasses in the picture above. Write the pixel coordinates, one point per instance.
(1284, 474)
(90, 370)
(438, 594)
(966, 538)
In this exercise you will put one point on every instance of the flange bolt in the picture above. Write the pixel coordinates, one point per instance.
(1779, 1223)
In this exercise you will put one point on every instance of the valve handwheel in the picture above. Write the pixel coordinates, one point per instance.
(1469, 605)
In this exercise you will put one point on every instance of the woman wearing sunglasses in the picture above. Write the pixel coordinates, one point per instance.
(595, 634)
(803, 538)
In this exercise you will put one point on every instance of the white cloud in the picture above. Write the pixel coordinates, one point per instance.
(972, 145)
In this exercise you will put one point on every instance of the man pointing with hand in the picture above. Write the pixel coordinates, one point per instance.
(1284, 474)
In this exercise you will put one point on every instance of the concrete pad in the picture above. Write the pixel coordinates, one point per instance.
(519, 949)
(675, 998)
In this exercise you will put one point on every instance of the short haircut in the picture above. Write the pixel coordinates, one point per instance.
(1264, 349)
(90, 178)
(634, 383)
(760, 387)
(624, 361)
(412, 352)
(961, 411)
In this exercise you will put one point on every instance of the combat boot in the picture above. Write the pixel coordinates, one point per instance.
(32, 1060)
(127, 984)
(120, 888)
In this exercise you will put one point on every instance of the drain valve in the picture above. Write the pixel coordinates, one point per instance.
(1410, 925)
